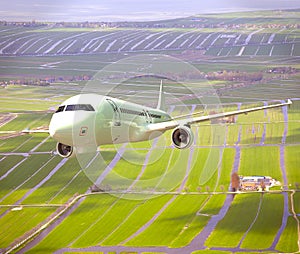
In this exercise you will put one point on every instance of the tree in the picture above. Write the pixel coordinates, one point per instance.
(235, 182)
(262, 185)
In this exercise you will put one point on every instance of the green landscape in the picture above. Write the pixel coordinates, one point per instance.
(170, 200)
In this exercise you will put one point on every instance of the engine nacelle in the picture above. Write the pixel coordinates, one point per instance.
(182, 137)
(64, 151)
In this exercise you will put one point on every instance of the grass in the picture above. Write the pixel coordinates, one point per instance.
(8, 162)
(135, 220)
(292, 164)
(290, 232)
(67, 232)
(180, 213)
(21, 173)
(18, 191)
(132, 214)
(61, 186)
(107, 222)
(15, 224)
(230, 230)
(260, 161)
(265, 226)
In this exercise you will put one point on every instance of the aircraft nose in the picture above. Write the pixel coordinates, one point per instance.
(60, 130)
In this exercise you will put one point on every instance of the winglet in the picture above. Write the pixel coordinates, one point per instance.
(289, 101)
(161, 99)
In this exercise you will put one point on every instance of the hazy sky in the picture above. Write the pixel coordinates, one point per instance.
(118, 10)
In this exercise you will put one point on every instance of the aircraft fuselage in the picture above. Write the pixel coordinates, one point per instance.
(87, 118)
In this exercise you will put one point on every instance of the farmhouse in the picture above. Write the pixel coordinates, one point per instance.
(257, 182)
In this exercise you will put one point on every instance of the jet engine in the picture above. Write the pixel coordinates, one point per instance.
(65, 151)
(182, 137)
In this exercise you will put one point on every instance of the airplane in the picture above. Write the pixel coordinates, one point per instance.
(87, 121)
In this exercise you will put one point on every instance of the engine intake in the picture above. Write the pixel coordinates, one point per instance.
(64, 151)
(182, 137)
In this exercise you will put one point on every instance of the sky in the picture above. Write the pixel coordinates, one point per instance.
(128, 10)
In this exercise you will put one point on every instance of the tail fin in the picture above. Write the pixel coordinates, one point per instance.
(161, 99)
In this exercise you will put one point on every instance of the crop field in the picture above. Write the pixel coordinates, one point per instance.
(154, 198)
(120, 221)
(224, 36)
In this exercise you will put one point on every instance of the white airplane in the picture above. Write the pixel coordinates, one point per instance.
(91, 120)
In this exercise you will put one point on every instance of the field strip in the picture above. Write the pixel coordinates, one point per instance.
(12, 169)
(204, 40)
(75, 203)
(20, 185)
(142, 41)
(156, 40)
(32, 44)
(263, 136)
(144, 164)
(110, 45)
(199, 240)
(176, 39)
(194, 41)
(23, 45)
(96, 221)
(73, 206)
(207, 200)
(111, 165)
(101, 178)
(7, 119)
(27, 140)
(285, 181)
(296, 218)
(252, 224)
(51, 222)
(284, 221)
(38, 145)
(221, 158)
(64, 39)
(144, 227)
(248, 39)
(154, 145)
(65, 187)
(95, 40)
(188, 169)
(167, 169)
(12, 42)
(124, 221)
(186, 41)
(58, 166)
(44, 46)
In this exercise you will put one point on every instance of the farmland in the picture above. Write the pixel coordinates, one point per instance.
(155, 198)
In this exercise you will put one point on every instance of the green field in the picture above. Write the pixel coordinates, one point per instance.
(178, 219)
(155, 198)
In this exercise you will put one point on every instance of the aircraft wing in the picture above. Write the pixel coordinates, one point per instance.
(174, 123)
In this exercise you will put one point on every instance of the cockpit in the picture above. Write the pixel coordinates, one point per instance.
(75, 107)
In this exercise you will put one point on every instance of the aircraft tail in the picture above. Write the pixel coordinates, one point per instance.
(161, 98)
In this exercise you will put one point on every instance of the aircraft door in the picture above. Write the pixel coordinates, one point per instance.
(117, 113)
(148, 117)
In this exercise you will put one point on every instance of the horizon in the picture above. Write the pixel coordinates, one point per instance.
(129, 10)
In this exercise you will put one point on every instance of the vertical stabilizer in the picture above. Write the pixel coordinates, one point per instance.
(161, 98)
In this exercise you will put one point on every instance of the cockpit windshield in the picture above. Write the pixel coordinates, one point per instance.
(75, 107)
(60, 109)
